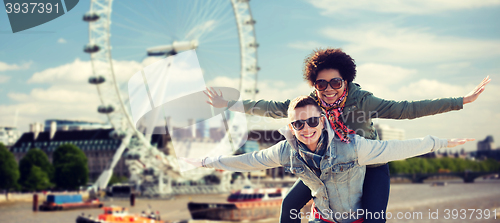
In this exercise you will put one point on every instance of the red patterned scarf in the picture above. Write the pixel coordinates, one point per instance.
(334, 113)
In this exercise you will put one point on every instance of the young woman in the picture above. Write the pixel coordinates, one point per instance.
(349, 109)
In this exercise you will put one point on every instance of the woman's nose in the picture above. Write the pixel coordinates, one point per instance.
(328, 87)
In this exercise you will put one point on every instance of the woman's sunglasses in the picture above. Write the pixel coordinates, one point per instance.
(335, 83)
(311, 122)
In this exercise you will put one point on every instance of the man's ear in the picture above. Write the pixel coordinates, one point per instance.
(291, 129)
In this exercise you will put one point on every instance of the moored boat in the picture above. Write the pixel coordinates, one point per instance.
(245, 204)
(67, 201)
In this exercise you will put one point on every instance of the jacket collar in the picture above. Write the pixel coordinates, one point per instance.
(353, 98)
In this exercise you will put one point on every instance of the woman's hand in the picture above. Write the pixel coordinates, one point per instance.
(216, 100)
(193, 161)
(456, 142)
(472, 96)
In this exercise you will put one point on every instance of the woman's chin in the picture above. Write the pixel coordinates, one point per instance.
(329, 100)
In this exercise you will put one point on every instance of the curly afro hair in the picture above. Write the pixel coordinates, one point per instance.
(329, 58)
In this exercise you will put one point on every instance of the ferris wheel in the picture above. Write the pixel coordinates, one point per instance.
(221, 31)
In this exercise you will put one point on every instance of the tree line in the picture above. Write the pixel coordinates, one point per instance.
(68, 170)
(445, 164)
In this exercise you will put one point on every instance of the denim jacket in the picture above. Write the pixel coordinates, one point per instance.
(339, 188)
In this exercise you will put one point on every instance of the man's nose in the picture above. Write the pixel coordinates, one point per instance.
(306, 126)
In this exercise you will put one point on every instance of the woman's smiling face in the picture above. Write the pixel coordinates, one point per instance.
(330, 95)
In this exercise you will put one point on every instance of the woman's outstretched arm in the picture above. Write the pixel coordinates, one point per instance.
(381, 108)
(273, 109)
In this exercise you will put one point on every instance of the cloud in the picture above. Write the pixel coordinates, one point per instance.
(79, 71)
(69, 95)
(61, 40)
(4, 79)
(57, 94)
(58, 101)
(427, 89)
(381, 43)
(333, 7)
(308, 45)
(460, 65)
(5, 67)
(382, 73)
(391, 82)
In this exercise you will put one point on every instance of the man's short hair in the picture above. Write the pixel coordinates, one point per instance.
(301, 101)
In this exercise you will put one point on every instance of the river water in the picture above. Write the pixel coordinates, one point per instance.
(454, 202)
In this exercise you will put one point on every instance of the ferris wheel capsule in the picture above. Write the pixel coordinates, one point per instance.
(174, 48)
(91, 48)
(161, 50)
(105, 109)
(97, 80)
(184, 45)
(90, 17)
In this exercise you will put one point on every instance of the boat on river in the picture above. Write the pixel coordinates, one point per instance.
(244, 204)
(115, 214)
(55, 202)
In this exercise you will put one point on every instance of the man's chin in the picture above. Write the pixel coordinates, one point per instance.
(309, 141)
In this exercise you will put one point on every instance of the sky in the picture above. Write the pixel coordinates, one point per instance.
(404, 50)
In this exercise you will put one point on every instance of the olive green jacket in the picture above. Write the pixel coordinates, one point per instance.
(361, 106)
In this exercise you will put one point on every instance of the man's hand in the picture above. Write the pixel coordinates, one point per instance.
(216, 100)
(193, 161)
(472, 96)
(456, 142)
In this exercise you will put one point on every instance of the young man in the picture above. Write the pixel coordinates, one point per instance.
(332, 169)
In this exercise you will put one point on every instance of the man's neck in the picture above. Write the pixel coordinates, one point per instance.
(312, 146)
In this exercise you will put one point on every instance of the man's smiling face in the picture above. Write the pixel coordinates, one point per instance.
(307, 135)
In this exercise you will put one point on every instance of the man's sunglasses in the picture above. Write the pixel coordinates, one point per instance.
(335, 83)
(311, 122)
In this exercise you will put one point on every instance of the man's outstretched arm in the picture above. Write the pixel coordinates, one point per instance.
(375, 151)
(264, 159)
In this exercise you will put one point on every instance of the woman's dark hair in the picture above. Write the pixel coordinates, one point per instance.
(329, 58)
